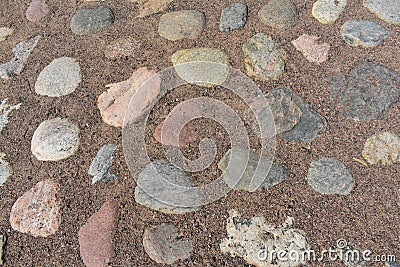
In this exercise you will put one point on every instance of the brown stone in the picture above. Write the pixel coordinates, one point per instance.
(186, 135)
(96, 236)
(37, 10)
(37, 212)
(313, 52)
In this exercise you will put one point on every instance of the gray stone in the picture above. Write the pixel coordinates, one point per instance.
(262, 60)
(280, 14)
(330, 176)
(101, 164)
(5, 169)
(254, 240)
(90, 20)
(164, 187)
(183, 24)
(310, 125)
(3, 241)
(387, 10)
(61, 77)
(363, 33)
(5, 111)
(382, 148)
(367, 94)
(259, 171)
(55, 139)
(328, 11)
(233, 17)
(165, 245)
(21, 53)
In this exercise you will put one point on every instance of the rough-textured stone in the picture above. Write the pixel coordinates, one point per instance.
(5, 111)
(161, 183)
(182, 24)
(268, 174)
(37, 10)
(382, 148)
(5, 169)
(387, 10)
(95, 238)
(3, 241)
(21, 53)
(262, 60)
(5, 32)
(55, 139)
(280, 14)
(122, 48)
(90, 20)
(150, 7)
(61, 77)
(310, 125)
(186, 136)
(101, 164)
(313, 52)
(113, 104)
(233, 17)
(363, 33)
(38, 211)
(367, 94)
(254, 240)
(328, 11)
(330, 176)
(202, 66)
(165, 245)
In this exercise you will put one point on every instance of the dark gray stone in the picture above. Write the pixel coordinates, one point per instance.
(233, 17)
(279, 14)
(330, 176)
(310, 124)
(363, 33)
(367, 94)
(387, 10)
(101, 164)
(90, 20)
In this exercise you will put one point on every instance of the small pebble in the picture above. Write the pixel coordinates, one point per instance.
(61, 77)
(328, 11)
(233, 17)
(313, 52)
(91, 20)
(382, 148)
(183, 24)
(101, 164)
(37, 10)
(5, 32)
(387, 10)
(280, 14)
(363, 33)
(55, 139)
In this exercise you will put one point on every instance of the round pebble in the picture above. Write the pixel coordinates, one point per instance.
(328, 11)
(233, 17)
(183, 24)
(90, 20)
(61, 77)
(55, 139)
(382, 148)
(279, 14)
(363, 33)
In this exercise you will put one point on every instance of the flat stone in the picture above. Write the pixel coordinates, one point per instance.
(113, 104)
(267, 175)
(330, 176)
(91, 20)
(280, 14)
(387, 10)
(202, 66)
(182, 24)
(165, 245)
(382, 148)
(101, 164)
(3, 242)
(96, 236)
(310, 125)
(38, 211)
(150, 7)
(55, 139)
(5, 32)
(122, 48)
(363, 33)
(186, 136)
(21, 53)
(254, 240)
(262, 60)
(161, 183)
(233, 17)
(308, 46)
(5, 111)
(37, 10)
(5, 169)
(328, 11)
(61, 77)
(367, 94)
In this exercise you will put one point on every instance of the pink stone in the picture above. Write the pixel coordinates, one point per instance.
(37, 10)
(37, 212)
(96, 236)
(113, 104)
(313, 52)
(187, 135)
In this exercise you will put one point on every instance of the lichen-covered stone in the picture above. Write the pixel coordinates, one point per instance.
(382, 148)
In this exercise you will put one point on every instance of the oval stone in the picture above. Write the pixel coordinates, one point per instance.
(90, 20)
